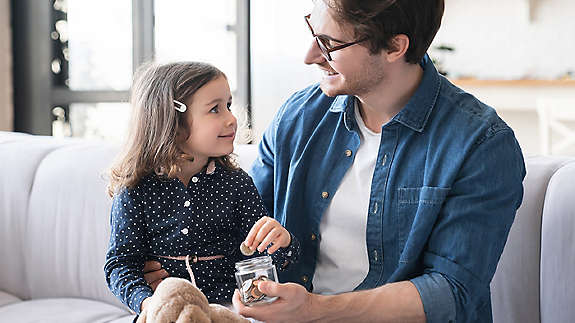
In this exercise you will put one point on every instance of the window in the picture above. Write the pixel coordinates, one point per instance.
(74, 61)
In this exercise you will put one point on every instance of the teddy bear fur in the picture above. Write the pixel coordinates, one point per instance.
(178, 300)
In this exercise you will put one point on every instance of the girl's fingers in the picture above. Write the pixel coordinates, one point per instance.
(155, 284)
(275, 246)
(249, 241)
(271, 237)
(282, 241)
(262, 233)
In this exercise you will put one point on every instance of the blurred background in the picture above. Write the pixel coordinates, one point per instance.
(66, 65)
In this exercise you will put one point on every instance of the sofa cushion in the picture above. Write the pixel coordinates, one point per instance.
(6, 299)
(69, 224)
(558, 248)
(20, 155)
(515, 286)
(63, 310)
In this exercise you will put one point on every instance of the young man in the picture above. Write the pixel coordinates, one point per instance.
(396, 182)
(400, 186)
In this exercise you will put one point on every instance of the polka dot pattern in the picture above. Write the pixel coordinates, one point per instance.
(163, 217)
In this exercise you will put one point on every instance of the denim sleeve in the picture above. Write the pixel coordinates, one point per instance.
(437, 298)
(469, 235)
(126, 253)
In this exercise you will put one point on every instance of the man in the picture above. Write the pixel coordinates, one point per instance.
(400, 186)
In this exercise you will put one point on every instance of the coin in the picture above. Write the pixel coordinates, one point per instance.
(246, 285)
(245, 250)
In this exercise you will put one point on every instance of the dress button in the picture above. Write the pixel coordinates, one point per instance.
(304, 278)
(313, 236)
(348, 153)
(324, 195)
(185, 230)
(195, 179)
(187, 203)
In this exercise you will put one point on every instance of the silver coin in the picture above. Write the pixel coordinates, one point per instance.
(246, 285)
(245, 250)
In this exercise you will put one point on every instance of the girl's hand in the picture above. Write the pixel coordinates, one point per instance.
(265, 231)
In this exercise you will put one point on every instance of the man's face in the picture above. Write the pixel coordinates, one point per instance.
(352, 70)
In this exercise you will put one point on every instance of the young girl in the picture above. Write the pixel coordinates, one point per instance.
(179, 198)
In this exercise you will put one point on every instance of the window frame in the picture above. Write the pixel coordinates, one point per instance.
(35, 92)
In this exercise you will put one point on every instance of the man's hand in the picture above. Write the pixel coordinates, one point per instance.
(294, 304)
(154, 274)
(265, 231)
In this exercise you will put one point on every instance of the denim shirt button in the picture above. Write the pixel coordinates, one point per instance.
(313, 237)
(304, 278)
(324, 195)
(348, 153)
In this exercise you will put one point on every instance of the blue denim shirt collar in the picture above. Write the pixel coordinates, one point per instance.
(415, 113)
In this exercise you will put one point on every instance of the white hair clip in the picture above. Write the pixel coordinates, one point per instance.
(180, 106)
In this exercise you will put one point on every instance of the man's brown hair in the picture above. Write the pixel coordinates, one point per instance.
(380, 20)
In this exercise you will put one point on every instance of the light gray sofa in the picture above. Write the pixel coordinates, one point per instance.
(54, 227)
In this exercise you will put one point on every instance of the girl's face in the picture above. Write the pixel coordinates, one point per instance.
(211, 124)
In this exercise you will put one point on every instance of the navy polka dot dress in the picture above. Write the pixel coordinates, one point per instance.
(162, 217)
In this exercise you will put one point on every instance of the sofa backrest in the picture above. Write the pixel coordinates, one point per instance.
(54, 220)
(20, 156)
(68, 224)
(558, 248)
(515, 286)
(54, 228)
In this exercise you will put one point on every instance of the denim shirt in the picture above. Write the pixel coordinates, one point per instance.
(444, 193)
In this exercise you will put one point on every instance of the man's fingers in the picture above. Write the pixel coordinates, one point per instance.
(151, 265)
(155, 275)
(272, 288)
(239, 307)
(155, 284)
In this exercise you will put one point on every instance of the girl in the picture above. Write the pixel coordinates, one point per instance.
(179, 197)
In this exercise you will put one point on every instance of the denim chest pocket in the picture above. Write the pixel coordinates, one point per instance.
(420, 205)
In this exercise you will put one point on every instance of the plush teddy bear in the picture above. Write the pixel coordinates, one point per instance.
(178, 300)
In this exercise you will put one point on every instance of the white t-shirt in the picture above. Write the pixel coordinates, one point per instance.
(342, 262)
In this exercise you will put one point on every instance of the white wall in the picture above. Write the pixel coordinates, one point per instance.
(6, 110)
(495, 39)
(280, 39)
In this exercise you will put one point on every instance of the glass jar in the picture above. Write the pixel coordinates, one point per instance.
(249, 273)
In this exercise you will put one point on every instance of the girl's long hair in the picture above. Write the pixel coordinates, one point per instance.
(151, 146)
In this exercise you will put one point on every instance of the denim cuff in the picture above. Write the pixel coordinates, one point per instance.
(437, 297)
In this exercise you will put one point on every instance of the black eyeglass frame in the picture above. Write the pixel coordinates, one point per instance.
(325, 49)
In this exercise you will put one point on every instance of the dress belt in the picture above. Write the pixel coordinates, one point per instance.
(194, 259)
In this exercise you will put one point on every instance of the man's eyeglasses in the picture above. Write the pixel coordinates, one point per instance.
(323, 42)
